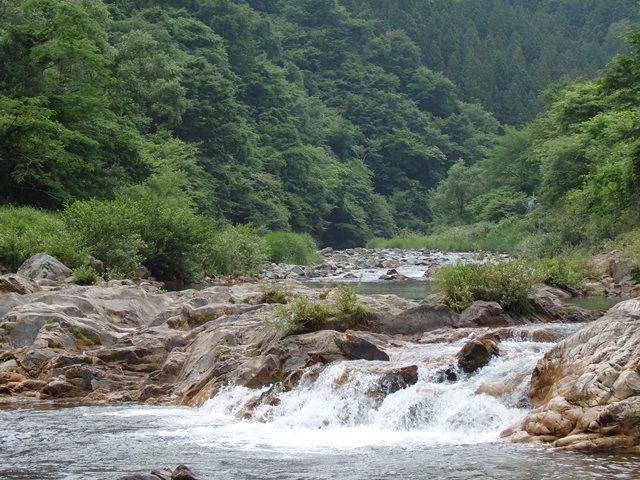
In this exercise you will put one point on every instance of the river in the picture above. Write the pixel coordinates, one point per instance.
(333, 427)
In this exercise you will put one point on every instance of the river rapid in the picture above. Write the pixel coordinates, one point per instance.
(331, 427)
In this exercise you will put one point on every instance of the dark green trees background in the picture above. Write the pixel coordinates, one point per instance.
(336, 118)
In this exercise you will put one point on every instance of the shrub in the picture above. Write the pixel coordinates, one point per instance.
(507, 283)
(347, 305)
(109, 230)
(25, 231)
(566, 271)
(273, 292)
(85, 275)
(235, 250)
(496, 237)
(295, 248)
(303, 315)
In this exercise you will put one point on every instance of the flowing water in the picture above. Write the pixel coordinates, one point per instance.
(335, 426)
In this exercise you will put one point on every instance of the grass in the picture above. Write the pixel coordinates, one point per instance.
(85, 275)
(508, 283)
(292, 248)
(274, 292)
(302, 315)
(501, 237)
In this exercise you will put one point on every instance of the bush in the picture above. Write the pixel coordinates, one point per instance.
(85, 275)
(273, 292)
(508, 283)
(25, 231)
(500, 237)
(301, 315)
(235, 250)
(347, 306)
(566, 271)
(294, 248)
(109, 230)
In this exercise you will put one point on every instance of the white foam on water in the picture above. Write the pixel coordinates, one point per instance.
(339, 410)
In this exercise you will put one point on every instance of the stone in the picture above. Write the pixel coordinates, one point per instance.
(356, 348)
(141, 272)
(484, 314)
(476, 354)
(44, 267)
(182, 472)
(17, 284)
(420, 319)
(585, 391)
(57, 388)
(298, 270)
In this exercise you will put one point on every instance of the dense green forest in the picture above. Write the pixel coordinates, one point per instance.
(502, 53)
(335, 118)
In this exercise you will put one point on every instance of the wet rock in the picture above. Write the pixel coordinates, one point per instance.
(398, 379)
(447, 374)
(17, 284)
(44, 267)
(259, 371)
(484, 314)
(586, 390)
(356, 348)
(476, 354)
(182, 472)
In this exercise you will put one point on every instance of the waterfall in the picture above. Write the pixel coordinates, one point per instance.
(348, 403)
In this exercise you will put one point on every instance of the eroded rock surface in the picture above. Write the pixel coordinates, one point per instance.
(585, 392)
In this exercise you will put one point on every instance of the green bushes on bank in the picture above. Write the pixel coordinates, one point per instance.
(167, 237)
(508, 283)
(500, 237)
(292, 248)
(25, 231)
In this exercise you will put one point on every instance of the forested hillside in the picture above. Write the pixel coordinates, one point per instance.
(502, 53)
(330, 117)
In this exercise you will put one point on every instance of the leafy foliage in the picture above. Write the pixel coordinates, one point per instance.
(507, 283)
(293, 248)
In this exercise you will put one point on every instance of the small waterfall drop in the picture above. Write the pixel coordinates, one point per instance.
(348, 404)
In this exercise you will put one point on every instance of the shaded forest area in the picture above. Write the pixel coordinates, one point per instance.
(335, 118)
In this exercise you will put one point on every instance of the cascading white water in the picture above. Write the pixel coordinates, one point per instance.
(343, 406)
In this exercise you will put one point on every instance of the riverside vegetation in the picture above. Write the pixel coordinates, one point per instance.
(338, 119)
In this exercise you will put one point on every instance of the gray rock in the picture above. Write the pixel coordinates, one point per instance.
(141, 272)
(17, 284)
(420, 319)
(484, 314)
(44, 267)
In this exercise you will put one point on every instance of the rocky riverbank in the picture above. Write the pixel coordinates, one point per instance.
(128, 342)
(370, 264)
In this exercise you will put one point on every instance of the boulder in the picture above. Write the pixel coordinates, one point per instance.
(476, 354)
(44, 267)
(420, 319)
(17, 284)
(57, 388)
(356, 348)
(586, 390)
(484, 314)
(182, 472)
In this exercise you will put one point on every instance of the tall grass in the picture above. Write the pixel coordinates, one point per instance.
(293, 248)
(500, 237)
